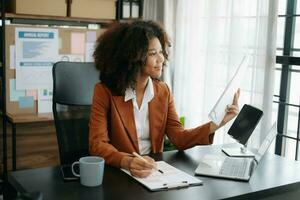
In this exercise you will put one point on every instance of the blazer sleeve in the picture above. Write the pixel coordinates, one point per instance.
(99, 142)
(185, 138)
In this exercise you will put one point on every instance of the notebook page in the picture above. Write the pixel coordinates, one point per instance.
(170, 178)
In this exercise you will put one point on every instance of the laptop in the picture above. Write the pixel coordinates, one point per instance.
(237, 168)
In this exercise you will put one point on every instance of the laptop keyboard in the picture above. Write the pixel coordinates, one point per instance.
(235, 167)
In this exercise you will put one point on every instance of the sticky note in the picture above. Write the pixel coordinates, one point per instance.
(26, 102)
(13, 93)
(77, 43)
(32, 93)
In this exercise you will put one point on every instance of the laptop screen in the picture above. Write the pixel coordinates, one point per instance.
(245, 123)
(266, 142)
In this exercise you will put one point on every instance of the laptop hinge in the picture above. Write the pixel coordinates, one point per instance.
(252, 166)
(256, 162)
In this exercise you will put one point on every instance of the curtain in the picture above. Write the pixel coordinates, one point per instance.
(209, 38)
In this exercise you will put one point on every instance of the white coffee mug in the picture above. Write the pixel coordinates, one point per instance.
(91, 169)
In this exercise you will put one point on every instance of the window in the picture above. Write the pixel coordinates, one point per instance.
(287, 93)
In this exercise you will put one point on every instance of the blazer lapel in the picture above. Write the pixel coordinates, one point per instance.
(125, 110)
(157, 112)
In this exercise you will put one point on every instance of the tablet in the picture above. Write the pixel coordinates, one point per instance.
(219, 110)
(245, 123)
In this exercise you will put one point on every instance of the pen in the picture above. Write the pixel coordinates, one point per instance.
(137, 155)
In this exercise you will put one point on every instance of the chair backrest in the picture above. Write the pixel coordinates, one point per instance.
(73, 86)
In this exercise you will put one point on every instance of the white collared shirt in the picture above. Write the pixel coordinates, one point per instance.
(141, 116)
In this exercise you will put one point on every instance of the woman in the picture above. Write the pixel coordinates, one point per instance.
(132, 110)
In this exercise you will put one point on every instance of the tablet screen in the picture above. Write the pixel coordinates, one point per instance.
(245, 123)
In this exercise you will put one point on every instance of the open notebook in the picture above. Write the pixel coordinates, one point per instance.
(171, 178)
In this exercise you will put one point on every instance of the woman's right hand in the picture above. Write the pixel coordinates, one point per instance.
(139, 167)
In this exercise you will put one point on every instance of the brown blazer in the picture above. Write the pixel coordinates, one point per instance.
(112, 126)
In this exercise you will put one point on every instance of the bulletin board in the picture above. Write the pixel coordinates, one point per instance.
(70, 49)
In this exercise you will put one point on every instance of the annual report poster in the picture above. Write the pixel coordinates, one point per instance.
(36, 52)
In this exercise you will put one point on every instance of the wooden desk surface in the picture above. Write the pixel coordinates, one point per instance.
(27, 118)
(273, 176)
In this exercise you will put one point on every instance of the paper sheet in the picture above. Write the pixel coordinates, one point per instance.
(77, 43)
(90, 48)
(45, 100)
(36, 52)
(171, 178)
(218, 111)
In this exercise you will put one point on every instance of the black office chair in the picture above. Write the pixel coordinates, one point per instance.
(73, 86)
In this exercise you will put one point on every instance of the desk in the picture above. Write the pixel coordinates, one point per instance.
(19, 119)
(273, 176)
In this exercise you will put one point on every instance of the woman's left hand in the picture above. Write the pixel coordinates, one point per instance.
(231, 110)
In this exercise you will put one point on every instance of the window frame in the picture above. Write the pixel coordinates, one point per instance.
(287, 61)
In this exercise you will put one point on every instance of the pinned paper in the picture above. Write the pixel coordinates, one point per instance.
(32, 93)
(12, 57)
(44, 106)
(26, 102)
(45, 100)
(90, 48)
(13, 93)
(45, 94)
(36, 52)
(77, 43)
(91, 36)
